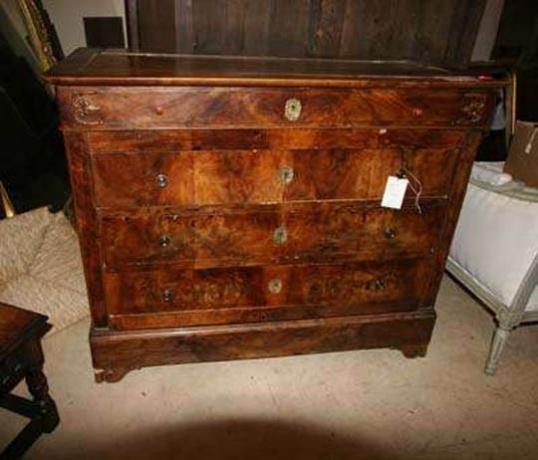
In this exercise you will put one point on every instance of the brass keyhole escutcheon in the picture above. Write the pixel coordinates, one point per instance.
(285, 174)
(376, 285)
(164, 241)
(280, 235)
(168, 295)
(292, 109)
(161, 180)
(275, 286)
(390, 233)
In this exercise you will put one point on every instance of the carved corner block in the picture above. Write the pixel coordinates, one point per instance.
(85, 111)
(473, 109)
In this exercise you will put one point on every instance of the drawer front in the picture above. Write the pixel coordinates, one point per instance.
(263, 293)
(197, 107)
(292, 233)
(127, 180)
(165, 140)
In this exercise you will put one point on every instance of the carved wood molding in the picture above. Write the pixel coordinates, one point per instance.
(85, 111)
(473, 109)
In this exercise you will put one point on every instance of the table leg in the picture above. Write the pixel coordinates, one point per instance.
(39, 389)
(41, 410)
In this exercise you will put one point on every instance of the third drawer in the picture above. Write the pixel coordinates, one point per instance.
(287, 233)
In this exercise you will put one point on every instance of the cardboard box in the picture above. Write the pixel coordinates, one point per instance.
(522, 161)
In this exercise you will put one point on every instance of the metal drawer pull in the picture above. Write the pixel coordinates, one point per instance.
(390, 233)
(161, 180)
(164, 241)
(168, 295)
(376, 285)
(285, 174)
(292, 110)
(280, 235)
(275, 286)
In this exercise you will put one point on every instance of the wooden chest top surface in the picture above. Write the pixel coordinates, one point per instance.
(88, 66)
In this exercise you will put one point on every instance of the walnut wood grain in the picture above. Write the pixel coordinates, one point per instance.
(214, 107)
(314, 232)
(269, 293)
(208, 177)
(97, 67)
(459, 187)
(86, 223)
(118, 352)
(230, 208)
(159, 141)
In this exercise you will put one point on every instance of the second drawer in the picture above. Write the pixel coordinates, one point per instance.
(127, 180)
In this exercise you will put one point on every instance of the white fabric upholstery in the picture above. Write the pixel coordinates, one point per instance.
(490, 173)
(496, 240)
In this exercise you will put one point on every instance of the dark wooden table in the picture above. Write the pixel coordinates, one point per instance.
(21, 357)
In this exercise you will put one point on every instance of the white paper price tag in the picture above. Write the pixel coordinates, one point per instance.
(394, 192)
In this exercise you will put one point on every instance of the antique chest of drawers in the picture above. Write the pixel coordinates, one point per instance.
(231, 207)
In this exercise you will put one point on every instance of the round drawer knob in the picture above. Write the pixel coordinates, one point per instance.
(164, 241)
(390, 233)
(376, 285)
(161, 180)
(280, 235)
(168, 295)
(418, 112)
(292, 109)
(274, 286)
(285, 174)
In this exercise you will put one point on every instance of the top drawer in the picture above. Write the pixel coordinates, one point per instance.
(203, 107)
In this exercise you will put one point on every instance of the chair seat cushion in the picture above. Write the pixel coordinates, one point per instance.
(41, 267)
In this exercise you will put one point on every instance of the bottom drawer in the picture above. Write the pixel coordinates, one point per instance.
(171, 298)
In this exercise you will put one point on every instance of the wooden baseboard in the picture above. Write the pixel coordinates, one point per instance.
(115, 353)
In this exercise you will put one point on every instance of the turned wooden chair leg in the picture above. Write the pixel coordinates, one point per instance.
(497, 345)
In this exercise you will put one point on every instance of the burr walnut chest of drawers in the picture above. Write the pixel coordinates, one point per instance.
(231, 207)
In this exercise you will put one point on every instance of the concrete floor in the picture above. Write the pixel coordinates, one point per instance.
(352, 405)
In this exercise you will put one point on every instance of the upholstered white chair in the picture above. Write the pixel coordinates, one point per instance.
(495, 250)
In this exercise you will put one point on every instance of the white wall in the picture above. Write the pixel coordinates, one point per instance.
(67, 15)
